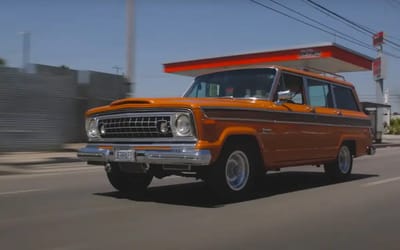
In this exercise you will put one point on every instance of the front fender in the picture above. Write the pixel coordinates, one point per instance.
(216, 146)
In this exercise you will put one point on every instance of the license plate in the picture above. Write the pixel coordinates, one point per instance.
(125, 155)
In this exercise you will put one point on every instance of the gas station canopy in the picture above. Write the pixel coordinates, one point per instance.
(327, 58)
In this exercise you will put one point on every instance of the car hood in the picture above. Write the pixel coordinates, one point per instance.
(179, 102)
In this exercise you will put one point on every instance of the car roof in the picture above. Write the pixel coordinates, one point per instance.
(314, 75)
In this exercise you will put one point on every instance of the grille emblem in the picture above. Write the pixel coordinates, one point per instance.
(163, 126)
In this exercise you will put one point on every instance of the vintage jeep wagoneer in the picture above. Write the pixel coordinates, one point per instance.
(229, 128)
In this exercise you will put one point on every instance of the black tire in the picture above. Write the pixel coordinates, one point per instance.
(340, 169)
(232, 177)
(128, 183)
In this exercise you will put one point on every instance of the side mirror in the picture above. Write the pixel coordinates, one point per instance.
(284, 96)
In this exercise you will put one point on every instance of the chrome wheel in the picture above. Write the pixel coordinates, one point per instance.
(340, 169)
(344, 160)
(237, 170)
(233, 176)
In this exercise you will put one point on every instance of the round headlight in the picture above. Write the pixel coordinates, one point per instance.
(183, 125)
(92, 130)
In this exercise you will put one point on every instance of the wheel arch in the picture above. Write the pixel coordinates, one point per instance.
(352, 146)
(249, 140)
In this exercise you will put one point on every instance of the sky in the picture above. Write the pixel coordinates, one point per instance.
(90, 35)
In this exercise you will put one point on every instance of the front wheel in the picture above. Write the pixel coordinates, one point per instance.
(233, 175)
(129, 183)
(341, 168)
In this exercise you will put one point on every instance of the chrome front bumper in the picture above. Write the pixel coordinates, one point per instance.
(179, 155)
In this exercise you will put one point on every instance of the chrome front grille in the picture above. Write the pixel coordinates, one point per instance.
(135, 126)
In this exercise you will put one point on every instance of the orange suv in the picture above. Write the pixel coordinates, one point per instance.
(229, 129)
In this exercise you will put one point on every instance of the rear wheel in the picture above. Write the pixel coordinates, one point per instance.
(233, 175)
(341, 168)
(130, 183)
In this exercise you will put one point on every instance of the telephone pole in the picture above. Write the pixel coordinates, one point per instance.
(26, 50)
(378, 68)
(130, 46)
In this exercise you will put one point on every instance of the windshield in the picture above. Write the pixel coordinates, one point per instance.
(244, 83)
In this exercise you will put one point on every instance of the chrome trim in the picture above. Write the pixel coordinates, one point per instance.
(237, 170)
(178, 155)
(93, 154)
(344, 160)
(266, 130)
(144, 140)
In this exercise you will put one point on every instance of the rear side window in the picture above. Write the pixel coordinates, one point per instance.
(319, 94)
(344, 98)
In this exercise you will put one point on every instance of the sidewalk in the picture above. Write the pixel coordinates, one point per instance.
(27, 162)
(389, 141)
(20, 162)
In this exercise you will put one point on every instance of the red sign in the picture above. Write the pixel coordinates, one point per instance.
(377, 69)
(377, 39)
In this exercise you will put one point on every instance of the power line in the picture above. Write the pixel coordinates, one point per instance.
(306, 23)
(322, 24)
(361, 28)
(352, 40)
(392, 5)
(392, 37)
(353, 24)
(396, 2)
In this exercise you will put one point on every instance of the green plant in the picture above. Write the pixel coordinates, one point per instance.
(2, 62)
(394, 126)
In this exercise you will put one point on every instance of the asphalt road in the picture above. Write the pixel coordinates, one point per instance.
(295, 209)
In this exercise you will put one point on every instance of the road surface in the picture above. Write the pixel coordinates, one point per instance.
(296, 209)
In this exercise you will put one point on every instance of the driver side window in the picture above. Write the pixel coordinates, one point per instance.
(294, 84)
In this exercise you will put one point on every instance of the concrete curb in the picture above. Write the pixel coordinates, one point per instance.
(385, 145)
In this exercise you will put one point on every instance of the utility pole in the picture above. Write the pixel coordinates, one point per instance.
(387, 111)
(26, 50)
(378, 72)
(130, 46)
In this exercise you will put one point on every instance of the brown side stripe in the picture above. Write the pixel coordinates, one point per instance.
(292, 117)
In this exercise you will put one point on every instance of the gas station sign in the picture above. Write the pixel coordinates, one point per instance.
(377, 39)
(377, 69)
